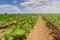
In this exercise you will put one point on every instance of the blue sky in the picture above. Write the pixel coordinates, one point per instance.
(30, 6)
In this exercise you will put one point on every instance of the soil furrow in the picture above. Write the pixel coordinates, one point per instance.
(40, 31)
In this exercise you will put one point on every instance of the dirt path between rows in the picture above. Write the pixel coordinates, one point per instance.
(2, 34)
(40, 31)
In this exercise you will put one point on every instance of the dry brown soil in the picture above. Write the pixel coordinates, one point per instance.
(2, 34)
(40, 31)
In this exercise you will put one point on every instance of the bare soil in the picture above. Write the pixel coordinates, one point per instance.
(40, 31)
(2, 34)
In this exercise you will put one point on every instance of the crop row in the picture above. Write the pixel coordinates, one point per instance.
(54, 20)
(17, 26)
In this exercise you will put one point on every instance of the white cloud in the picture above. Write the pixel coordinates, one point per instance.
(52, 6)
(38, 0)
(9, 8)
(41, 9)
(14, 1)
(25, 3)
(34, 2)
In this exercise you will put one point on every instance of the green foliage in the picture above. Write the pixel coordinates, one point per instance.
(8, 37)
(54, 19)
(23, 23)
(18, 32)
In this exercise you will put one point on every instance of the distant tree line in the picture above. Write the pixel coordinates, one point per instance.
(5, 13)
